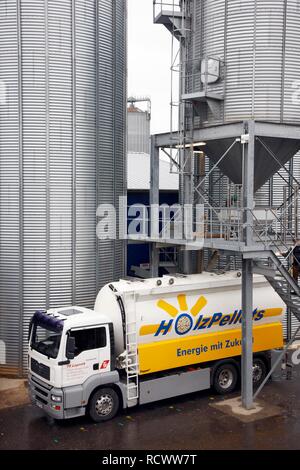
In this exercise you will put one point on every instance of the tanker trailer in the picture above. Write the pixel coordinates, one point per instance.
(147, 341)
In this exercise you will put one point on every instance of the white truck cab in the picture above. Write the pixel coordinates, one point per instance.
(71, 354)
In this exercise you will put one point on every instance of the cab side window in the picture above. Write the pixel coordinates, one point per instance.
(85, 340)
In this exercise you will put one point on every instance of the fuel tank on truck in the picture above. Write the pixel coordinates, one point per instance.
(186, 320)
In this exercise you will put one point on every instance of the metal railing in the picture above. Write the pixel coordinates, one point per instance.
(175, 223)
(192, 224)
(203, 73)
(168, 255)
(169, 6)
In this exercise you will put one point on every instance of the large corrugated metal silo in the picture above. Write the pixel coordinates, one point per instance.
(242, 62)
(62, 152)
(257, 43)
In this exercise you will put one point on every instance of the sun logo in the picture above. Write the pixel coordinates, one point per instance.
(182, 318)
(184, 321)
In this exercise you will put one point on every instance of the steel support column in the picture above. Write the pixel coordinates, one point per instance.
(247, 334)
(154, 260)
(154, 206)
(247, 270)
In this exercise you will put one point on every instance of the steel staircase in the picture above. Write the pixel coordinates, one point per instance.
(171, 14)
(281, 280)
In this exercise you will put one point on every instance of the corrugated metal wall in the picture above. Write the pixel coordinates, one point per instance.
(138, 131)
(259, 41)
(62, 152)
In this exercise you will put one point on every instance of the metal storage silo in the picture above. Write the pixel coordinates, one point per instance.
(62, 152)
(253, 47)
(138, 130)
(241, 61)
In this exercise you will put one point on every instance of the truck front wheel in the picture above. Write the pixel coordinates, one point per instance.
(225, 378)
(103, 405)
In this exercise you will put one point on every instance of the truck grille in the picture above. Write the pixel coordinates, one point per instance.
(41, 391)
(40, 369)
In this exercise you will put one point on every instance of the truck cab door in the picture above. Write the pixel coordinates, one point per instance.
(92, 354)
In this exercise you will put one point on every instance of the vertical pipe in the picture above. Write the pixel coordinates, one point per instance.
(97, 143)
(201, 175)
(47, 156)
(154, 173)
(154, 206)
(21, 221)
(74, 208)
(114, 90)
(154, 260)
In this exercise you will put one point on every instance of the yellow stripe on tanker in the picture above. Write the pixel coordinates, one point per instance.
(191, 320)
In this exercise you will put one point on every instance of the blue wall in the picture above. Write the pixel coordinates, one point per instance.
(139, 253)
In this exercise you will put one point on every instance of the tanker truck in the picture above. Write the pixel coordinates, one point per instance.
(148, 340)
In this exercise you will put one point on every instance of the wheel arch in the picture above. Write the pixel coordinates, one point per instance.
(114, 386)
(107, 379)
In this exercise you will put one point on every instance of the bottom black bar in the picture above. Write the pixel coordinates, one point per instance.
(136, 459)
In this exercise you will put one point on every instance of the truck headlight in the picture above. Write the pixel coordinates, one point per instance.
(56, 398)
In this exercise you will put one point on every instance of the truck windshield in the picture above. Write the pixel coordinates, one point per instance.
(45, 341)
(45, 331)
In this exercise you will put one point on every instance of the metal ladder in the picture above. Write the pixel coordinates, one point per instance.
(281, 281)
(132, 365)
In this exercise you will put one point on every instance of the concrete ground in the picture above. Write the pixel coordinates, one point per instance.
(183, 423)
(13, 392)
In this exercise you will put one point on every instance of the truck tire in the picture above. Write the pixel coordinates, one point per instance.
(225, 378)
(259, 371)
(103, 405)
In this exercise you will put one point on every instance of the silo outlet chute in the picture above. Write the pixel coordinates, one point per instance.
(270, 155)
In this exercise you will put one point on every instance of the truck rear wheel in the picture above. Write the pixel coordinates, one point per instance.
(259, 371)
(225, 378)
(104, 405)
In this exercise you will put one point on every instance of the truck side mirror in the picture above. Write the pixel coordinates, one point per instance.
(71, 347)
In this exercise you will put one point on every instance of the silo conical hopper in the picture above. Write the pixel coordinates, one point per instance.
(265, 165)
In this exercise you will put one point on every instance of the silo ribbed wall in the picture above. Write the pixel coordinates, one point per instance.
(62, 153)
(258, 41)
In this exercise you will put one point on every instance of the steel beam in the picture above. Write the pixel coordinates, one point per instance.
(278, 131)
(247, 268)
(248, 184)
(226, 131)
(247, 334)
